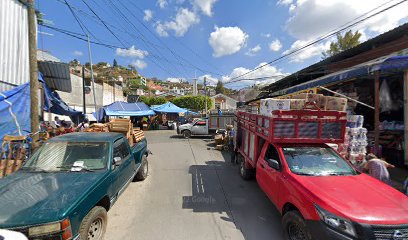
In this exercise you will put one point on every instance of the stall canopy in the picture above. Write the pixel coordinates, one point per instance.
(169, 108)
(381, 64)
(15, 108)
(124, 109)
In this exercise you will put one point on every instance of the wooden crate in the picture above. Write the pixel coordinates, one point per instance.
(138, 135)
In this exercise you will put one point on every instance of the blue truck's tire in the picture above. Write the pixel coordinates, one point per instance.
(93, 226)
(294, 226)
(143, 170)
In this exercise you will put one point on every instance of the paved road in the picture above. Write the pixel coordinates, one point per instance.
(191, 193)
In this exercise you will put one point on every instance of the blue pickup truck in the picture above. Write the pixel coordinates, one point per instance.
(66, 188)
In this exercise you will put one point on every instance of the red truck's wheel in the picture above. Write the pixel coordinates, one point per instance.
(245, 172)
(295, 227)
(93, 226)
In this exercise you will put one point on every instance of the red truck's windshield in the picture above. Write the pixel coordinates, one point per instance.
(316, 161)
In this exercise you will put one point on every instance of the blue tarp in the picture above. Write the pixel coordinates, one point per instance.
(124, 109)
(169, 108)
(54, 104)
(382, 64)
(15, 111)
(15, 108)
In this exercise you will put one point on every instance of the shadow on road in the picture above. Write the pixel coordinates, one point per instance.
(218, 188)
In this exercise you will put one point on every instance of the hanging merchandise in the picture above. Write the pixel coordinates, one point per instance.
(385, 97)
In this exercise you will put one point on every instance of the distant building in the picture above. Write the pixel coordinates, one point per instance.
(222, 101)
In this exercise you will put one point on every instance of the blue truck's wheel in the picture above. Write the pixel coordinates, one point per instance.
(143, 170)
(93, 226)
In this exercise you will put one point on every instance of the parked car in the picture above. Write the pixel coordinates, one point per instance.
(206, 126)
(66, 188)
(319, 194)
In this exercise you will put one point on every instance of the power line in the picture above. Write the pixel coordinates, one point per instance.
(103, 22)
(319, 40)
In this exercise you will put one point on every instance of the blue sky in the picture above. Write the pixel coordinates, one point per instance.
(220, 39)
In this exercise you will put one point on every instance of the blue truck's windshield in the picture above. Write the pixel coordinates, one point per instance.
(69, 156)
(316, 161)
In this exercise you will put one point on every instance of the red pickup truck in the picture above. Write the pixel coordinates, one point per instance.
(319, 194)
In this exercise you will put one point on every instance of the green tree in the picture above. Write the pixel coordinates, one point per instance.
(195, 103)
(342, 43)
(115, 63)
(152, 100)
(220, 87)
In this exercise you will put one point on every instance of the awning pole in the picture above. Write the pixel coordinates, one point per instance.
(406, 117)
(344, 96)
(377, 112)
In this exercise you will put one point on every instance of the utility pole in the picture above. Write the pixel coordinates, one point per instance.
(92, 77)
(83, 88)
(32, 43)
(205, 94)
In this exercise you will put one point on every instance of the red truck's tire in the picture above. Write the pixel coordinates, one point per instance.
(245, 172)
(294, 226)
(93, 226)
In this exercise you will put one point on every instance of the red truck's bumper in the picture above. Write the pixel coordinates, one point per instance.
(321, 231)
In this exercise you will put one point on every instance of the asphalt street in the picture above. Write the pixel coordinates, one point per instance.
(192, 192)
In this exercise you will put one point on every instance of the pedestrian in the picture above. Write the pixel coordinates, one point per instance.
(56, 123)
(83, 125)
(378, 168)
(231, 133)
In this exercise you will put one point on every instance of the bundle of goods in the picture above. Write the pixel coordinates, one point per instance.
(355, 144)
(303, 101)
(138, 135)
(122, 126)
(97, 127)
(14, 150)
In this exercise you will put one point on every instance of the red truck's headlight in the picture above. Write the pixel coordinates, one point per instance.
(335, 222)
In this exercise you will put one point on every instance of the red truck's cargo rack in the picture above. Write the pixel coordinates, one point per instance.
(296, 126)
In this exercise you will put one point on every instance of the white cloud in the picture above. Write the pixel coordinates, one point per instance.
(275, 45)
(311, 51)
(253, 51)
(227, 40)
(181, 23)
(78, 53)
(139, 64)
(131, 52)
(271, 72)
(148, 15)
(266, 35)
(285, 2)
(162, 3)
(204, 5)
(210, 80)
(312, 18)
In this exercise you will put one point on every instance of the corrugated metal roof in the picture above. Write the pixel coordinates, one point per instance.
(56, 75)
(14, 64)
(46, 56)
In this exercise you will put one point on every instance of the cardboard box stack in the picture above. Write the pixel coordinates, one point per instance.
(298, 102)
(355, 144)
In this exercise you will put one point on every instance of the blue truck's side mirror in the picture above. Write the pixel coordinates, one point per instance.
(117, 161)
